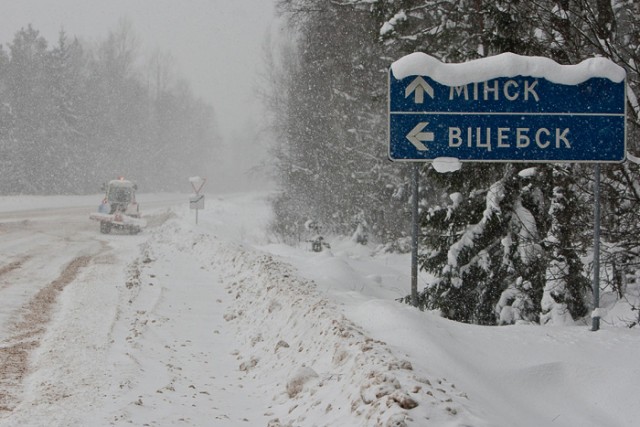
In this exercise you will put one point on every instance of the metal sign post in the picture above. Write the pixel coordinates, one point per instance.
(525, 110)
(595, 317)
(414, 236)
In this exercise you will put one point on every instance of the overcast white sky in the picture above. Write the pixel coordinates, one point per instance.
(216, 44)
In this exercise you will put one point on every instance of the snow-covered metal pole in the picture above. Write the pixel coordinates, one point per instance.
(414, 236)
(595, 316)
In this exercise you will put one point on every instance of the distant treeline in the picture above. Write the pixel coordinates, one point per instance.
(73, 116)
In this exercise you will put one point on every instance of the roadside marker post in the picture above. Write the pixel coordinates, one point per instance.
(196, 201)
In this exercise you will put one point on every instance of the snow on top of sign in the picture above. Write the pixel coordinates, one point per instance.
(505, 65)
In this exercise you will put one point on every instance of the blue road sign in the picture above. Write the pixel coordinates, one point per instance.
(507, 119)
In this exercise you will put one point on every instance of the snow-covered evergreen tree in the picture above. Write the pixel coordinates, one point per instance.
(6, 119)
(481, 245)
(566, 285)
(30, 109)
(330, 98)
(66, 69)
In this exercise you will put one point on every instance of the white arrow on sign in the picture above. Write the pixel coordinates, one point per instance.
(417, 136)
(419, 86)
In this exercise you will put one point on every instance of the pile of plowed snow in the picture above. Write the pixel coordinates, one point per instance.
(316, 364)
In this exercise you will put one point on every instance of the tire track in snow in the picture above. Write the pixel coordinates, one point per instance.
(28, 331)
(25, 325)
(11, 267)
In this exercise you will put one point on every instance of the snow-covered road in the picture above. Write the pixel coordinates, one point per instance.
(215, 324)
(40, 255)
(107, 329)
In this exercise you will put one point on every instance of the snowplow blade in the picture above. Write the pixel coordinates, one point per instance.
(118, 221)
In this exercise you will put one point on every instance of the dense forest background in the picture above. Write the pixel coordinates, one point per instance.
(503, 242)
(74, 115)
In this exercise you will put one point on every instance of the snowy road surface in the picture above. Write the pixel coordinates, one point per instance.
(215, 325)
